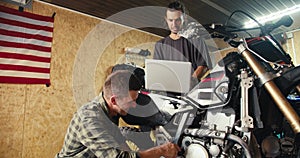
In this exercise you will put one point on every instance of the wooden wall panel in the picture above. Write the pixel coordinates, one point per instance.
(34, 118)
(297, 47)
(12, 106)
(292, 46)
(129, 38)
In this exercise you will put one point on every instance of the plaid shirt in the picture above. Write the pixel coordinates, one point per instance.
(92, 134)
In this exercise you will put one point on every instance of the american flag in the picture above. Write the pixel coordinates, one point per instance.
(25, 47)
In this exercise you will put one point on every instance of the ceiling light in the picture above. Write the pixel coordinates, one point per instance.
(272, 16)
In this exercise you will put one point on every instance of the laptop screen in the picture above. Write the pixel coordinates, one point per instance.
(168, 76)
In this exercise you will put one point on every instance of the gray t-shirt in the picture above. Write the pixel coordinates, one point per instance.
(181, 50)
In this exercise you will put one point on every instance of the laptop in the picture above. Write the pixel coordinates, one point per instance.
(168, 76)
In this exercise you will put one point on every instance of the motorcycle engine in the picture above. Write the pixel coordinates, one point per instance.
(206, 140)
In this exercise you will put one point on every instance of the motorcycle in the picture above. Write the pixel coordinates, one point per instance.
(248, 106)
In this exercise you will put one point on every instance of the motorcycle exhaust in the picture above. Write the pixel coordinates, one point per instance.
(281, 102)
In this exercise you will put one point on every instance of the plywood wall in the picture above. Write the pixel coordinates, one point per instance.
(293, 46)
(34, 118)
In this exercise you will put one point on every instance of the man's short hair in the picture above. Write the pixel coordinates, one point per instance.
(139, 73)
(176, 6)
(119, 83)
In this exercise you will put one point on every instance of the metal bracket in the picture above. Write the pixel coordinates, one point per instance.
(241, 48)
(246, 120)
(266, 77)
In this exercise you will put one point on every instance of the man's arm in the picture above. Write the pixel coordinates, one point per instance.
(199, 72)
(100, 136)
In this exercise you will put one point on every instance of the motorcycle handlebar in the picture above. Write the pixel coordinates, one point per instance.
(221, 31)
(286, 21)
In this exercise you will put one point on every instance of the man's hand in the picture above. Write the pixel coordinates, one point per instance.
(168, 150)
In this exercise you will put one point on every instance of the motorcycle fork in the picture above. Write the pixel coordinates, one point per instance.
(281, 102)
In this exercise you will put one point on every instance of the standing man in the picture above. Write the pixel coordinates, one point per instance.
(178, 48)
(93, 131)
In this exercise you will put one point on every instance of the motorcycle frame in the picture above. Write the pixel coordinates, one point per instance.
(280, 100)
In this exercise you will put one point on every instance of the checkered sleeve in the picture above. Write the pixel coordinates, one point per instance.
(99, 134)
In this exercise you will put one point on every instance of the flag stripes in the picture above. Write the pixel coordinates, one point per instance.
(25, 35)
(25, 47)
